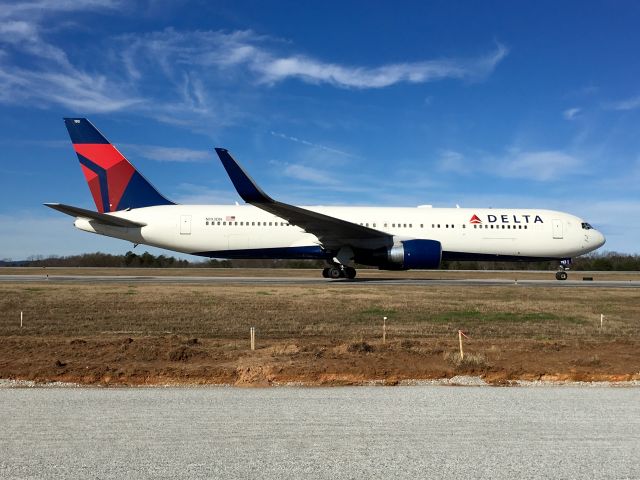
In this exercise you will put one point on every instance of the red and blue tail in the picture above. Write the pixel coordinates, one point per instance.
(114, 183)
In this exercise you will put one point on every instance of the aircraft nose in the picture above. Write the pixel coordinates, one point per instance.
(598, 239)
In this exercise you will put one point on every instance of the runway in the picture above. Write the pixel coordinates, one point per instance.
(294, 280)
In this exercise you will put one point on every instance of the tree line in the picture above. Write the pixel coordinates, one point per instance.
(607, 261)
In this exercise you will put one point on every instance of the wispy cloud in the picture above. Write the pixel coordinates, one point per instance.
(51, 77)
(626, 104)
(176, 76)
(586, 91)
(571, 113)
(251, 52)
(539, 165)
(273, 69)
(452, 161)
(309, 174)
(311, 144)
(192, 194)
(38, 8)
(168, 154)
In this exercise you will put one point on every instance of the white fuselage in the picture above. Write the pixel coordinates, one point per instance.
(220, 230)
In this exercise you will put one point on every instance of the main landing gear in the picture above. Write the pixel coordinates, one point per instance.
(565, 264)
(339, 271)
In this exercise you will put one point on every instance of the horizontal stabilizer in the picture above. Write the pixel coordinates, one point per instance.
(102, 218)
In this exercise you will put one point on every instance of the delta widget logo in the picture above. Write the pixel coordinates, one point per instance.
(475, 220)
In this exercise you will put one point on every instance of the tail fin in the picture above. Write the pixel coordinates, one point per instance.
(114, 183)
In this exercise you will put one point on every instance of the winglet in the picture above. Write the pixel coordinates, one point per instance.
(245, 186)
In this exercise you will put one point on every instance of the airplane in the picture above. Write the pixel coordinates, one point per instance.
(130, 208)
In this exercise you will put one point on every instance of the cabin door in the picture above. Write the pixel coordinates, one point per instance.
(185, 224)
(557, 228)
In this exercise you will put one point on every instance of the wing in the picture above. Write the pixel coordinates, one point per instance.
(331, 231)
(102, 218)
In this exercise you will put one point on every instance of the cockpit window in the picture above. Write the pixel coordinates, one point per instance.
(586, 226)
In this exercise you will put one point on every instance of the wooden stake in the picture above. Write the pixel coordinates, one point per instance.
(460, 340)
(601, 320)
(20, 318)
(252, 332)
(384, 330)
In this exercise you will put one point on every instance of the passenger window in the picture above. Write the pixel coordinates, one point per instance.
(421, 225)
(207, 223)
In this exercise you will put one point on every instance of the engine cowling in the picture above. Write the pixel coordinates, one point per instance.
(421, 254)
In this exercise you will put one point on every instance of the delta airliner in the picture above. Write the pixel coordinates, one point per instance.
(130, 208)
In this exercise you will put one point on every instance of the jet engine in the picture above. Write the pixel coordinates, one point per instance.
(421, 254)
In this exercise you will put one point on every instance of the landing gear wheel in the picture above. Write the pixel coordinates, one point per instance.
(325, 272)
(561, 275)
(335, 272)
(350, 273)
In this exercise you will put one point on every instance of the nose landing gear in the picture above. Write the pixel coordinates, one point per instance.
(339, 271)
(565, 264)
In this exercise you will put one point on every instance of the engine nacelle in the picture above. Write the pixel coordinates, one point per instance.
(421, 254)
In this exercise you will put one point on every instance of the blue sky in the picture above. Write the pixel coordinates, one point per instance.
(481, 104)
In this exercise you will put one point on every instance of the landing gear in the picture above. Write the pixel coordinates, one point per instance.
(339, 271)
(335, 272)
(561, 274)
(350, 272)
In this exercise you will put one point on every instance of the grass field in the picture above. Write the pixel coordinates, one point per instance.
(320, 334)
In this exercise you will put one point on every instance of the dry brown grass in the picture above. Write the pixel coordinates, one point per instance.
(474, 360)
(342, 311)
(320, 333)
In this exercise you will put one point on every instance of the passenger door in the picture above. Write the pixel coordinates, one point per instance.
(185, 224)
(557, 228)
